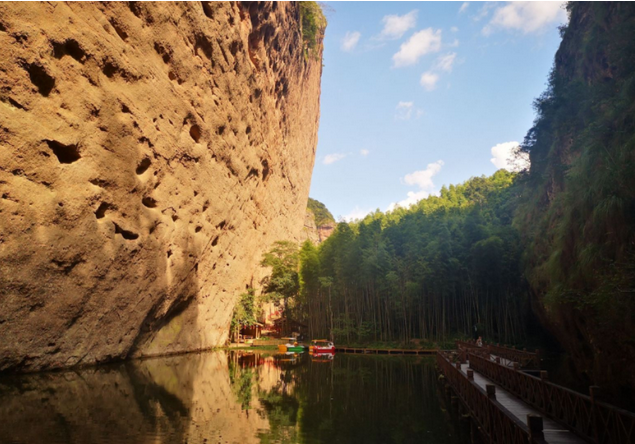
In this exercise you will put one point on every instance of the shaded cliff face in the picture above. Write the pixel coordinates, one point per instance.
(578, 207)
(149, 154)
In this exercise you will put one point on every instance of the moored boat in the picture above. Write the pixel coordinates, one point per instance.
(291, 346)
(322, 346)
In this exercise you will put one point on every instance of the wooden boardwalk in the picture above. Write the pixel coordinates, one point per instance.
(511, 406)
(554, 433)
(384, 351)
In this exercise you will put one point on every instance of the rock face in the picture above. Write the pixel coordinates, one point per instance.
(149, 154)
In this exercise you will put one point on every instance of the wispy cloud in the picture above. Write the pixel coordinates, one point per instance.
(508, 156)
(364, 152)
(484, 11)
(404, 110)
(421, 179)
(454, 29)
(445, 62)
(395, 26)
(332, 158)
(421, 43)
(464, 7)
(350, 40)
(429, 80)
(526, 17)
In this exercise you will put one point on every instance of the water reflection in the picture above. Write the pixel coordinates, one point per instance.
(231, 397)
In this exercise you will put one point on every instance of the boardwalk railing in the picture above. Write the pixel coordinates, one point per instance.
(593, 420)
(497, 423)
(524, 358)
(386, 351)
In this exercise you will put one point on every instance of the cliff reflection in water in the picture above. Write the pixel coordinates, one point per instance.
(231, 397)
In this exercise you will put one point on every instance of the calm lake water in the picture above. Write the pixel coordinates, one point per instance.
(234, 397)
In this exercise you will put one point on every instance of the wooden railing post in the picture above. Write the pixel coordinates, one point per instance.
(534, 423)
(516, 366)
(491, 391)
(470, 375)
(544, 375)
(593, 393)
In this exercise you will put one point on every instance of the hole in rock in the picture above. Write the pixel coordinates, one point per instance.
(207, 9)
(143, 166)
(123, 35)
(169, 253)
(128, 235)
(195, 133)
(149, 202)
(198, 229)
(221, 225)
(101, 211)
(40, 78)
(265, 169)
(220, 130)
(248, 130)
(69, 47)
(64, 153)
(125, 109)
(215, 241)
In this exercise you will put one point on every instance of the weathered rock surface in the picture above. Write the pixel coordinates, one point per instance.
(149, 154)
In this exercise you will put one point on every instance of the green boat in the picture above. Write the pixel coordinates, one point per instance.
(291, 346)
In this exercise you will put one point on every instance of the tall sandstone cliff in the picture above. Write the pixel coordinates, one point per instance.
(149, 154)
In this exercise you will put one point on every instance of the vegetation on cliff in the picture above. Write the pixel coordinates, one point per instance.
(313, 25)
(577, 214)
(322, 215)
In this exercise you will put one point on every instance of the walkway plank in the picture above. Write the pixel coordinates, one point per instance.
(554, 432)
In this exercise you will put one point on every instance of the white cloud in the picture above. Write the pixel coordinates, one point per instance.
(429, 80)
(421, 179)
(508, 156)
(464, 6)
(395, 26)
(454, 44)
(332, 158)
(349, 42)
(420, 44)
(404, 110)
(484, 11)
(356, 214)
(364, 152)
(445, 62)
(526, 17)
(454, 29)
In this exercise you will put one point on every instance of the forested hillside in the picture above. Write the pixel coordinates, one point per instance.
(577, 215)
(557, 240)
(446, 265)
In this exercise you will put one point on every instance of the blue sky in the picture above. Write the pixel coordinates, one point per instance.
(416, 95)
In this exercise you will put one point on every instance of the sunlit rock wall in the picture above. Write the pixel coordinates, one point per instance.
(149, 154)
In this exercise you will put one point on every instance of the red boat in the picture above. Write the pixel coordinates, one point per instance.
(322, 346)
